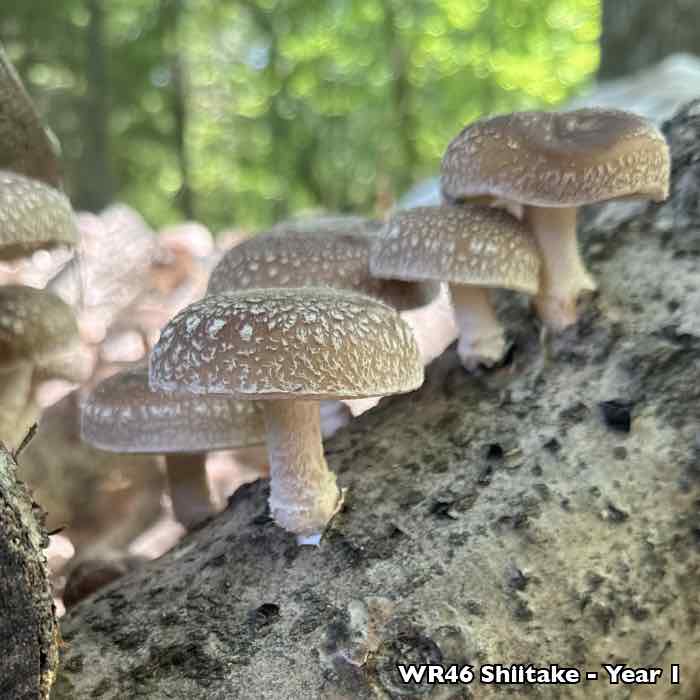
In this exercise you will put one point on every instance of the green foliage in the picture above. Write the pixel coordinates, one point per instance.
(293, 103)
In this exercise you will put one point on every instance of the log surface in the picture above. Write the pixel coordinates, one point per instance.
(28, 626)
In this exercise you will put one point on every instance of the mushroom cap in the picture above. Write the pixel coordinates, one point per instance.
(307, 343)
(34, 325)
(466, 244)
(325, 252)
(558, 159)
(25, 146)
(32, 216)
(122, 414)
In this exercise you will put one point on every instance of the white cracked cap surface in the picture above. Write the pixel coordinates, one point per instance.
(465, 244)
(558, 159)
(313, 343)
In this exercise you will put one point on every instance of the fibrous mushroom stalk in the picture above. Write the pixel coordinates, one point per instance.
(563, 278)
(189, 488)
(303, 492)
(481, 336)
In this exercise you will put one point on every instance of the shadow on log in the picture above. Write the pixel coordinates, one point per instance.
(547, 512)
(28, 628)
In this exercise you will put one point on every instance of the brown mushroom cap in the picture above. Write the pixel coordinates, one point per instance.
(34, 325)
(564, 159)
(465, 244)
(307, 343)
(32, 216)
(325, 252)
(122, 414)
(25, 146)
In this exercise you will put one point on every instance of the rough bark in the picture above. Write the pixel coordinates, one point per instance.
(28, 627)
(637, 33)
(543, 512)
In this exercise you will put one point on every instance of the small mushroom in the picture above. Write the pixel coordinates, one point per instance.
(38, 331)
(122, 414)
(551, 164)
(322, 252)
(471, 247)
(32, 216)
(25, 146)
(290, 348)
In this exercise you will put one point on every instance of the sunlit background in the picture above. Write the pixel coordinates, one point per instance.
(239, 113)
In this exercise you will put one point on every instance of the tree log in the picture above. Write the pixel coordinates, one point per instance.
(28, 628)
(546, 512)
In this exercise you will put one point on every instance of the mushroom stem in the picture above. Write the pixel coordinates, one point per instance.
(564, 276)
(481, 337)
(15, 394)
(189, 488)
(303, 492)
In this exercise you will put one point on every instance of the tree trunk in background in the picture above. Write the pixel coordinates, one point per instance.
(402, 97)
(95, 183)
(171, 11)
(638, 33)
(28, 628)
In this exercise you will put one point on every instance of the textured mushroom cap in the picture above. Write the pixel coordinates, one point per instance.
(25, 146)
(122, 414)
(32, 216)
(466, 244)
(34, 325)
(313, 343)
(558, 159)
(326, 252)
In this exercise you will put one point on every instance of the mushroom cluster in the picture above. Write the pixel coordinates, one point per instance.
(307, 314)
(512, 185)
(295, 327)
(544, 166)
(38, 331)
(293, 320)
(290, 348)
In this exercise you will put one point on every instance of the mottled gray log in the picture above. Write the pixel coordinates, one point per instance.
(546, 512)
(28, 627)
